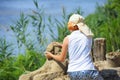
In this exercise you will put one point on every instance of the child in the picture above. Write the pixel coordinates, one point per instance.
(78, 44)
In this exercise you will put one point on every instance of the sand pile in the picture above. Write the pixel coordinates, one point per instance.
(54, 70)
(51, 70)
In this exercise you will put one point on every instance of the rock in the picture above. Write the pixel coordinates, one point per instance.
(111, 73)
(110, 68)
(113, 58)
(108, 72)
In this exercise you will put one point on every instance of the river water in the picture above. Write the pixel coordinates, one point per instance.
(10, 11)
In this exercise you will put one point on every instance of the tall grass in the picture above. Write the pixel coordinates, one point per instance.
(105, 22)
(19, 30)
(5, 50)
(6, 61)
(61, 25)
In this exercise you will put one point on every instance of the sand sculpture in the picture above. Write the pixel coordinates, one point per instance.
(51, 70)
(54, 70)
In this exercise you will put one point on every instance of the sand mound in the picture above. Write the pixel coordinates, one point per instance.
(54, 70)
(51, 70)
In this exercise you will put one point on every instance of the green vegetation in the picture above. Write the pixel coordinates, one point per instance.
(105, 22)
(30, 32)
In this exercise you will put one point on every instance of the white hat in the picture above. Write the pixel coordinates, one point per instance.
(78, 20)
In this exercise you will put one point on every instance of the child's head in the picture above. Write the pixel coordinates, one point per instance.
(76, 22)
(73, 21)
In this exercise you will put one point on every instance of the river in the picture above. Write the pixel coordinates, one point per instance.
(10, 11)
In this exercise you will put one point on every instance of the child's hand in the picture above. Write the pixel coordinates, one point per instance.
(48, 55)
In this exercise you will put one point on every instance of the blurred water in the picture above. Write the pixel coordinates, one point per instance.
(11, 9)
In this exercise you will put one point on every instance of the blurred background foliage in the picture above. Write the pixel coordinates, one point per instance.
(105, 22)
(34, 32)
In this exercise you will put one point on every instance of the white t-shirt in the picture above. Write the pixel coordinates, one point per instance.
(79, 48)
